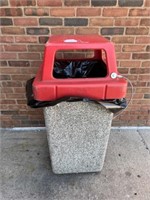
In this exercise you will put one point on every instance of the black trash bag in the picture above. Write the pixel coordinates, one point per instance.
(79, 69)
(121, 102)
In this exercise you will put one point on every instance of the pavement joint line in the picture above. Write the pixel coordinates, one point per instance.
(143, 141)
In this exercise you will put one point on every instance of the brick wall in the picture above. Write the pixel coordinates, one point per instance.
(26, 25)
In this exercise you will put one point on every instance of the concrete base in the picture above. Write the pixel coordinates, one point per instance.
(78, 134)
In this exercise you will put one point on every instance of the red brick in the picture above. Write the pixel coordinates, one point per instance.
(13, 30)
(15, 48)
(1, 48)
(144, 77)
(19, 90)
(8, 70)
(134, 71)
(112, 31)
(130, 64)
(97, 3)
(3, 63)
(15, 96)
(36, 48)
(148, 122)
(2, 12)
(11, 84)
(10, 123)
(6, 22)
(101, 22)
(115, 12)
(84, 31)
(32, 112)
(49, 22)
(8, 101)
(6, 39)
(123, 56)
(21, 118)
(143, 90)
(132, 77)
(145, 22)
(37, 31)
(30, 56)
(139, 84)
(11, 11)
(4, 3)
(75, 55)
(62, 12)
(16, 107)
(145, 64)
(35, 63)
(4, 77)
(36, 11)
(30, 71)
(76, 21)
(142, 40)
(49, 3)
(139, 12)
(21, 101)
(141, 56)
(144, 70)
(44, 39)
(133, 48)
(6, 90)
(126, 22)
(17, 3)
(26, 39)
(36, 117)
(118, 48)
(147, 3)
(18, 63)
(62, 31)
(20, 77)
(122, 40)
(142, 117)
(59, 55)
(130, 3)
(123, 70)
(26, 22)
(88, 11)
(137, 31)
(76, 2)
(8, 56)
(36, 123)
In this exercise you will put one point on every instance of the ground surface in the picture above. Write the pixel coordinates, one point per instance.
(26, 173)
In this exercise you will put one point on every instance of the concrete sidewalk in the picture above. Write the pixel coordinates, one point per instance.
(26, 173)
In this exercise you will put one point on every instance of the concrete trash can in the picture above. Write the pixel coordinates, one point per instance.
(78, 134)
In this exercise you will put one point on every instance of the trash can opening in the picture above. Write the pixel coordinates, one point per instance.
(80, 64)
